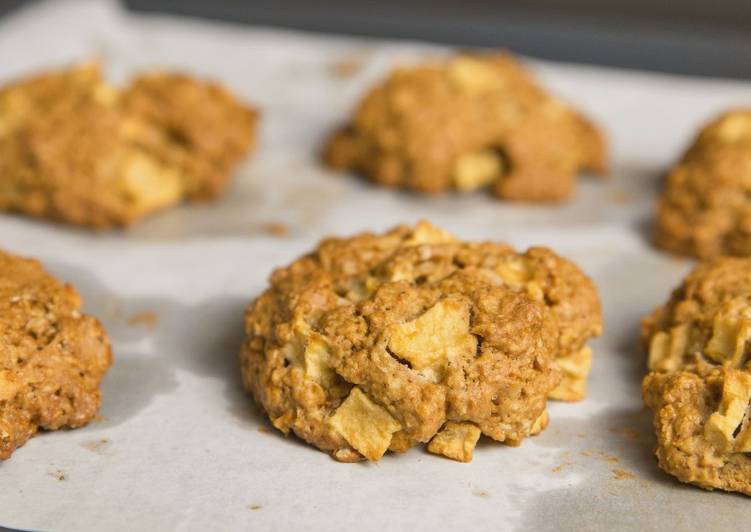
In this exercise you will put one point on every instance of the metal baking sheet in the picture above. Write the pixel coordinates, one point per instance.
(179, 445)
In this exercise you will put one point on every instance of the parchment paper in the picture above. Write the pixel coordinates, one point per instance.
(180, 446)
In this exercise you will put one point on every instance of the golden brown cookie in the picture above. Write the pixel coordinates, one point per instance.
(469, 122)
(76, 149)
(381, 342)
(707, 320)
(705, 210)
(702, 426)
(699, 384)
(52, 357)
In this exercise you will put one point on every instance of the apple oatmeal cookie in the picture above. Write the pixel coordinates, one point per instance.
(75, 149)
(381, 342)
(471, 121)
(705, 210)
(699, 380)
(52, 357)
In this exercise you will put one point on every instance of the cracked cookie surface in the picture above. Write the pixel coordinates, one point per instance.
(705, 206)
(699, 384)
(382, 342)
(472, 121)
(76, 149)
(52, 357)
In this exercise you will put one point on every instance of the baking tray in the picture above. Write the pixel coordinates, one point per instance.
(179, 445)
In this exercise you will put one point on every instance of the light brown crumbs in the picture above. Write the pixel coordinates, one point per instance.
(563, 466)
(612, 459)
(146, 319)
(276, 229)
(255, 507)
(347, 67)
(622, 474)
(96, 446)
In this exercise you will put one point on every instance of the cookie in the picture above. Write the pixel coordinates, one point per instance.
(76, 149)
(381, 342)
(469, 122)
(706, 321)
(699, 381)
(705, 210)
(702, 428)
(52, 357)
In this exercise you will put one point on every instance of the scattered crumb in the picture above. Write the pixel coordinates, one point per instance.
(255, 507)
(276, 229)
(561, 467)
(480, 493)
(581, 435)
(609, 458)
(347, 67)
(622, 474)
(99, 418)
(148, 319)
(263, 429)
(59, 475)
(626, 432)
(585, 453)
(96, 446)
(621, 197)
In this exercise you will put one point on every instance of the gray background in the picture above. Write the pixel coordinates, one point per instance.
(697, 37)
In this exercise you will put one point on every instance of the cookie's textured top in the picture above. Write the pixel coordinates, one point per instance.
(376, 342)
(706, 322)
(52, 357)
(75, 149)
(705, 210)
(703, 432)
(699, 385)
(472, 121)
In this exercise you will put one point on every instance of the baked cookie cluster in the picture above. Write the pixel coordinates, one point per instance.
(381, 342)
(472, 121)
(705, 207)
(52, 357)
(76, 149)
(699, 381)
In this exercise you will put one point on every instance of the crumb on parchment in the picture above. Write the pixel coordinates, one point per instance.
(148, 319)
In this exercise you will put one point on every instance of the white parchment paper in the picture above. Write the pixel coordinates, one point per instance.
(180, 446)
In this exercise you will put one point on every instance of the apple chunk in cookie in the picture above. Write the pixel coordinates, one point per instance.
(382, 342)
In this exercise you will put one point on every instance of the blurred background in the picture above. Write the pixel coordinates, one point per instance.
(696, 37)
